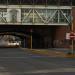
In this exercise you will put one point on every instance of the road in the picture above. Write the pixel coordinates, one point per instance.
(15, 61)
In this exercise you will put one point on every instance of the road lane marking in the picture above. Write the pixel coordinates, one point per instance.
(47, 71)
(5, 73)
(12, 57)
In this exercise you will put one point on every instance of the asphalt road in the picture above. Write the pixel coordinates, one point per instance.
(15, 61)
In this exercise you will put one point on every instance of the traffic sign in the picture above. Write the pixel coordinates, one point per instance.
(70, 36)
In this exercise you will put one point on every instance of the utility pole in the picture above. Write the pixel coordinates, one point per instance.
(31, 37)
(72, 29)
(73, 38)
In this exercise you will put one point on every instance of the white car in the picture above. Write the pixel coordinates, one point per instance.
(12, 44)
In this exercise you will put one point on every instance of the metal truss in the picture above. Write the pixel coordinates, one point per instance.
(46, 16)
(35, 15)
(3, 14)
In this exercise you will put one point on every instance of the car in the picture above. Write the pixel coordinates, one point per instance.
(10, 43)
(13, 44)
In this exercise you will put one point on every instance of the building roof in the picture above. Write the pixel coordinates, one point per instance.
(38, 2)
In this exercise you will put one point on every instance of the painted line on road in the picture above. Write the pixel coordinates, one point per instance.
(48, 71)
(12, 57)
(5, 73)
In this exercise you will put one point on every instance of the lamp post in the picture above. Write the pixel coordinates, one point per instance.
(72, 29)
(72, 39)
(31, 37)
(71, 34)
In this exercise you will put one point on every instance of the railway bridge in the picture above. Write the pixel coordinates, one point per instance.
(43, 23)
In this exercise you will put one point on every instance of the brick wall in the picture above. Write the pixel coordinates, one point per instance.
(60, 36)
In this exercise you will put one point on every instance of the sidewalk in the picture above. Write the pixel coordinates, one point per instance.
(50, 52)
(5, 73)
(46, 52)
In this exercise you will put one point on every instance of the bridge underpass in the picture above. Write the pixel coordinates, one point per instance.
(46, 22)
(42, 36)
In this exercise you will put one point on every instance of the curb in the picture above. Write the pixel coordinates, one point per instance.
(45, 52)
(70, 56)
(49, 53)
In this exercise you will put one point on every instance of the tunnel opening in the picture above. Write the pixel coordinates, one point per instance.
(49, 37)
(42, 36)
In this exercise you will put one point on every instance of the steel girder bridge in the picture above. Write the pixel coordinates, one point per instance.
(34, 15)
(35, 12)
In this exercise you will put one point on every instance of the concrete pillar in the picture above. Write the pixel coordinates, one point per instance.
(24, 43)
(60, 36)
(29, 42)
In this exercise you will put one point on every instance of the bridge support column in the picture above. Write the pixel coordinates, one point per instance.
(24, 43)
(29, 42)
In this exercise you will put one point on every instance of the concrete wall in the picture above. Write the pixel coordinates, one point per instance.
(59, 36)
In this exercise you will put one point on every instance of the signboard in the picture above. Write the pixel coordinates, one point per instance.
(70, 36)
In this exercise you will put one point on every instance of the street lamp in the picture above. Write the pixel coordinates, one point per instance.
(72, 31)
(31, 37)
